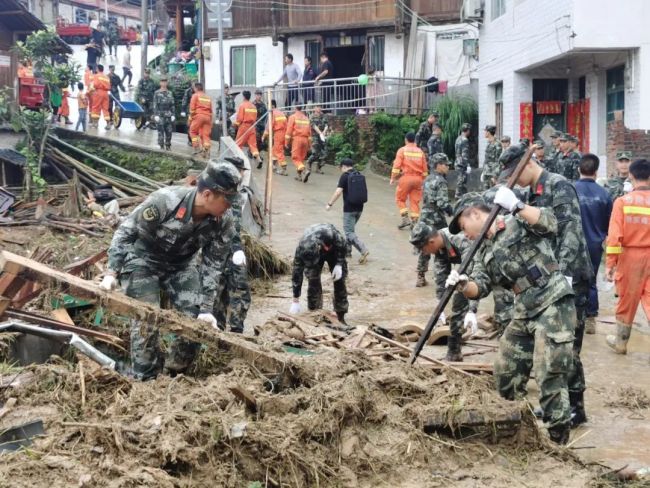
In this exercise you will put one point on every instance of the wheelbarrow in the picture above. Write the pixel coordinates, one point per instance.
(123, 109)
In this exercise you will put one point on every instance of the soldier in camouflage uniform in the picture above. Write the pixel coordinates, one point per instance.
(320, 244)
(185, 109)
(157, 249)
(491, 167)
(424, 133)
(434, 206)
(164, 114)
(318, 121)
(230, 111)
(554, 153)
(144, 94)
(434, 145)
(569, 160)
(233, 290)
(448, 249)
(552, 191)
(539, 154)
(521, 258)
(616, 185)
(261, 124)
(462, 160)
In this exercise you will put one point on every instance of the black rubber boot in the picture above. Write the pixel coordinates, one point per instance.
(453, 350)
(560, 433)
(341, 317)
(538, 413)
(578, 414)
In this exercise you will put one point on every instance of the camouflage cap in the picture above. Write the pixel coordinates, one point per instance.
(436, 126)
(539, 142)
(236, 162)
(439, 158)
(564, 136)
(163, 78)
(467, 200)
(147, 71)
(505, 139)
(556, 134)
(434, 113)
(524, 141)
(509, 159)
(491, 128)
(466, 126)
(259, 92)
(573, 138)
(421, 233)
(624, 155)
(222, 177)
(225, 85)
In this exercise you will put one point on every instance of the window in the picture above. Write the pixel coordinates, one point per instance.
(313, 50)
(615, 91)
(81, 16)
(498, 9)
(242, 71)
(498, 108)
(376, 53)
(582, 88)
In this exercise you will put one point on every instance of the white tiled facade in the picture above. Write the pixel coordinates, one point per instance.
(565, 39)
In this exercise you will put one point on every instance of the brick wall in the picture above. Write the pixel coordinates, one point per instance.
(620, 138)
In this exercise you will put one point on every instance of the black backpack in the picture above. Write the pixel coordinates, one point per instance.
(357, 189)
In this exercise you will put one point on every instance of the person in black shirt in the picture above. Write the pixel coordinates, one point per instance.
(351, 212)
(325, 74)
(92, 55)
(116, 86)
(308, 77)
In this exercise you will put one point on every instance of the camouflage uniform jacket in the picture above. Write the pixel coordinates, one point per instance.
(187, 96)
(230, 106)
(554, 192)
(163, 104)
(146, 89)
(462, 154)
(161, 232)
(491, 166)
(614, 186)
(455, 250)
(552, 159)
(310, 251)
(520, 258)
(567, 165)
(435, 201)
(261, 112)
(422, 136)
(434, 146)
(319, 121)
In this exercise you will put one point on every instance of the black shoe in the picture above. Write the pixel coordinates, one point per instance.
(236, 330)
(305, 178)
(560, 434)
(168, 148)
(578, 414)
(341, 317)
(538, 413)
(162, 147)
(259, 164)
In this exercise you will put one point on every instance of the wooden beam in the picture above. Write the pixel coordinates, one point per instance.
(167, 321)
(77, 267)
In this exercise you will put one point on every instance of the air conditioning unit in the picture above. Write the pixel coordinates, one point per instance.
(471, 10)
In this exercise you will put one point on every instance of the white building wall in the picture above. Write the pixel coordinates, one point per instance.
(394, 58)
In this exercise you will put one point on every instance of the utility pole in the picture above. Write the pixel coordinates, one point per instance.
(224, 116)
(201, 39)
(145, 36)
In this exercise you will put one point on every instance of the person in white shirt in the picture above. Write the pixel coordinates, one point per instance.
(293, 74)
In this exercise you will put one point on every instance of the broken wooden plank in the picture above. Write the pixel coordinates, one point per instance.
(62, 315)
(471, 418)
(168, 321)
(245, 396)
(78, 266)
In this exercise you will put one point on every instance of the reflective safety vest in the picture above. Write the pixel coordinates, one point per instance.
(298, 126)
(410, 161)
(246, 113)
(629, 225)
(200, 104)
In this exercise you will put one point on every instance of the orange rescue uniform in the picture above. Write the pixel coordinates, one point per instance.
(628, 251)
(279, 121)
(64, 111)
(411, 166)
(201, 114)
(299, 134)
(246, 134)
(101, 85)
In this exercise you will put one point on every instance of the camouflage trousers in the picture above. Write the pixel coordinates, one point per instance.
(165, 129)
(315, 288)
(234, 293)
(581, 300)
(318, 153)
(487, 180)
(459, 305)
(503, 306)
(461, 182)
(142, 282)
(543, 342)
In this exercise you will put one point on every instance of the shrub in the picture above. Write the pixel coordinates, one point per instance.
(454, 112)
(389, 131)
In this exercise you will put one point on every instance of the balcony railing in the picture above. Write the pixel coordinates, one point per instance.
(346, 95)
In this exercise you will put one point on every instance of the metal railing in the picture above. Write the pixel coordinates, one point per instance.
(346, 95)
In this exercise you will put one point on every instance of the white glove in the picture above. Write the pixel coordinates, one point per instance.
(108, 283)
(469, 169)
(156, 118)
(337, 273)
(322, 137)
(506, 198)
(183, 114)
(209, 318)
(470, 322)
(239, 258)
(173, 118)
(328, 207)
(454, 278)
(569, 280)
(442, 319)
(294, 308)
(627, 187)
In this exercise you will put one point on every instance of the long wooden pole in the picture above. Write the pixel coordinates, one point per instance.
(268, 191)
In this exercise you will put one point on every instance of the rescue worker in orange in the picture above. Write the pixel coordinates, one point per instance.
(299, 135)
(100, 86)
(201, 126)
(410, 167)
(244, 122)
(279, 121)
(64, 111)
(628, 253)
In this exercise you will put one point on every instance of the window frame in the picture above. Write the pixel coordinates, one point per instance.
(314, 59)
(498, 107)
(369, 59)
(617, 90)
(247, 82)
(497, 9)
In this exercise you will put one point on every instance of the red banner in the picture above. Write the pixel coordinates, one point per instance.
(548, 108)
(526, 121)
(578, 122)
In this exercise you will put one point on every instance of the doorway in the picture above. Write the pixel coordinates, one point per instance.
(347, 61)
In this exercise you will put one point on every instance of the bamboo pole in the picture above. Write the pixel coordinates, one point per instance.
(268, 191)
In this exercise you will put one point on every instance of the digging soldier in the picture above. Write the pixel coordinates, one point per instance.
(448, 250)
(491, 166)
(144, 94)
(233, 291)
(619, 184)
(230, 111)
(320, 244)
(318, 121)
(424, 132)
(462, 160)
(164, 110)
(156, 249)
(540, 335)
(435, 205)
